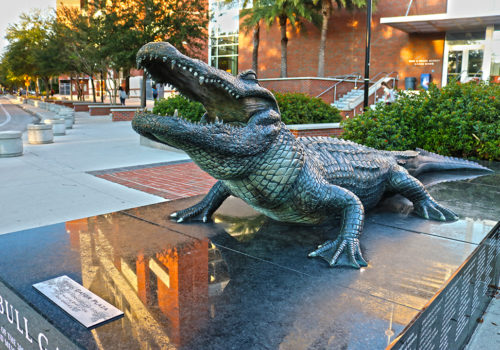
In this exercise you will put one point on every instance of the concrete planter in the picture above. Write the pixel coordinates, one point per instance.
(58, 126)
(11, 144)
(311, 130)
(40, 133)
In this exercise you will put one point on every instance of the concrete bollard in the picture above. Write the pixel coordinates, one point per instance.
(11, 144)
(58, 126)
(40, 133)
(69, 120)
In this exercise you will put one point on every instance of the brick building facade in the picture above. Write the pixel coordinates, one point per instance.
(391, 49)
(444, 38)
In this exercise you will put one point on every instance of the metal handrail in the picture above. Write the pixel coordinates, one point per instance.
(372, 80)
(356, 75)
(459, 75)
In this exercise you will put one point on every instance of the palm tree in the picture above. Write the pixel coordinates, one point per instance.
(282, 11)
(326, 9)
(252, 23)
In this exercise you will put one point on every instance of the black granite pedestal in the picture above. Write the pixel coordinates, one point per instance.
(245, 282)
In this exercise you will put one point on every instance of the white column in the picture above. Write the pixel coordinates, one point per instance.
(488, 51)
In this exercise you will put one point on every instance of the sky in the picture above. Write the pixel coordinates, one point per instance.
(11, 9)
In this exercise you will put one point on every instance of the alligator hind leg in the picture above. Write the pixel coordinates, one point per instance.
(208, 205)
(333, 199)
(424, 205)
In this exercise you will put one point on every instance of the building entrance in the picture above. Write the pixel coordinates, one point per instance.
(464, 62)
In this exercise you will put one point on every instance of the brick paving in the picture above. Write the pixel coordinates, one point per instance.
(168, 180)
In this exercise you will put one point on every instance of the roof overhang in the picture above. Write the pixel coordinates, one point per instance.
(441, 22)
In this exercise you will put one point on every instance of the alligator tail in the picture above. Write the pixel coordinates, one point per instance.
(427, 161)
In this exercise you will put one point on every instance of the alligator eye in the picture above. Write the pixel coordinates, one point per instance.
(248, 75)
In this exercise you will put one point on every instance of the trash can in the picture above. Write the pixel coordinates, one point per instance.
(410, 83)
(425, 79)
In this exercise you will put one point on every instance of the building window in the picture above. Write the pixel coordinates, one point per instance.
(64, 87)
(223, 35)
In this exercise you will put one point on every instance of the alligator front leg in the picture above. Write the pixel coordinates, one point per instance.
(335, 199)
(208, 205)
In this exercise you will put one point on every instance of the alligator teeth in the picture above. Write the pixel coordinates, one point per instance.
(201, 80)
(164, 59)
(172, 64)
(216, 120)
(190, 69)
(176, 113)
(179, 65)
(184, 67)
(195, 74)
(237, 96)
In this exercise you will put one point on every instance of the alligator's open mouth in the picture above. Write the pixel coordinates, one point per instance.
(224, 96)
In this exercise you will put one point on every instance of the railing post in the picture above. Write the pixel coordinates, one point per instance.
(335, 94)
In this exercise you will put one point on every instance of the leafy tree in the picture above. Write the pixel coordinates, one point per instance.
(182, 23)
(104, 39)
(326, 8)
(282, 12)
(26, 40)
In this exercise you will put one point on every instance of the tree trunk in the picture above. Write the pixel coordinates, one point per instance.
(284, 42)
(143, 90)
(255, 52)
(47, 90)
(37, 87)
(102, 87)
(325, 12)
(93, 87)
(127, 84)
(70, 87)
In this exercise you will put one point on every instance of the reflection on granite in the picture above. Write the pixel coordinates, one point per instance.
(244, 281)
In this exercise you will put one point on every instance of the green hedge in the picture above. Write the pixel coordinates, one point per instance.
(186, 108)
(295, 109)
(461, 120)
(298, 108)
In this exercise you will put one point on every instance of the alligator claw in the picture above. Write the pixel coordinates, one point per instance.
(429, 209)
(198, 212)
(332, 250)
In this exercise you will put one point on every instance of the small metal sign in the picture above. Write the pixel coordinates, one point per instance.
(80, 303)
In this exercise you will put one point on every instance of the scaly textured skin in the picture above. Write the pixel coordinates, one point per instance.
(257, 159)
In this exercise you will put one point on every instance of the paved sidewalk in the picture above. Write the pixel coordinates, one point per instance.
(171, 180)
(50, 183)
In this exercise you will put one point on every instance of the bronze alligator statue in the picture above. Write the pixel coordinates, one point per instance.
(242, 142)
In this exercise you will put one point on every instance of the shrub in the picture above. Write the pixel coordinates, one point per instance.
(188, 109)
(460, 120)
(297, 108)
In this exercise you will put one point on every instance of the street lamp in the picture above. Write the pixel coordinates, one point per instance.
(367, 51)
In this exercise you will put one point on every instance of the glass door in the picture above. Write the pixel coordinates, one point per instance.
(455, 58)
(464, 62)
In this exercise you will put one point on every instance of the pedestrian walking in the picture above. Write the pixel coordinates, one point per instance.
(123, 96)
(155, 93)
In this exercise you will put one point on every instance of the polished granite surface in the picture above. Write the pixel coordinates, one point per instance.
(244, 281)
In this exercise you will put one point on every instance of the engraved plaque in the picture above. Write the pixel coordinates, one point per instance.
(80, 303)
(450, 319)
